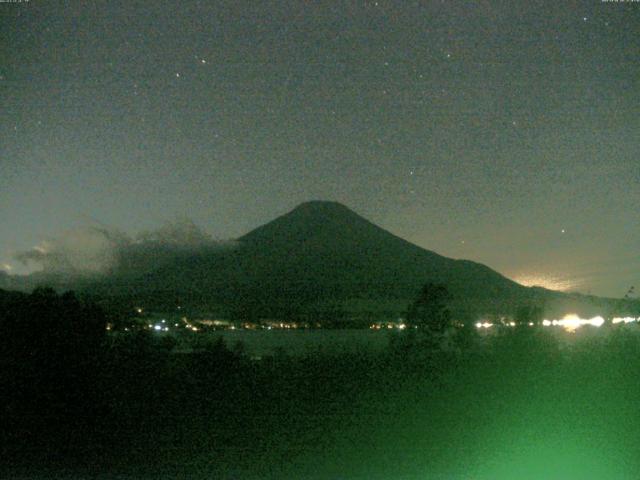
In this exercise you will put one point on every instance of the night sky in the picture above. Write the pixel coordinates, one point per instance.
(503, 132)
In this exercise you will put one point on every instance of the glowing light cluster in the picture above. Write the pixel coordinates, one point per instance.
(484, 325)
(625, 320)
(572, 321)
(569, 322)
(388, 326)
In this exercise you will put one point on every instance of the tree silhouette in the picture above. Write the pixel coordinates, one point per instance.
(429, 311)
(526, 314)
(51, 348)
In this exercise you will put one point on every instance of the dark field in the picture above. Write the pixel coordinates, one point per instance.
(513, 405)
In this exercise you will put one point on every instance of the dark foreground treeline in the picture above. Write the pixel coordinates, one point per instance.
(77, 403)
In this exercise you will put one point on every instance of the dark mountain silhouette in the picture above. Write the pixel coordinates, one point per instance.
(327, 245)
(321, 260)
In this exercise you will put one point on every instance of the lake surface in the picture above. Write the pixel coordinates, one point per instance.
(259, 343)
(298, 342)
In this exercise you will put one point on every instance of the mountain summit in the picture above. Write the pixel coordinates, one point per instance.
(323, 253)
(329, 224)
(307, 219)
